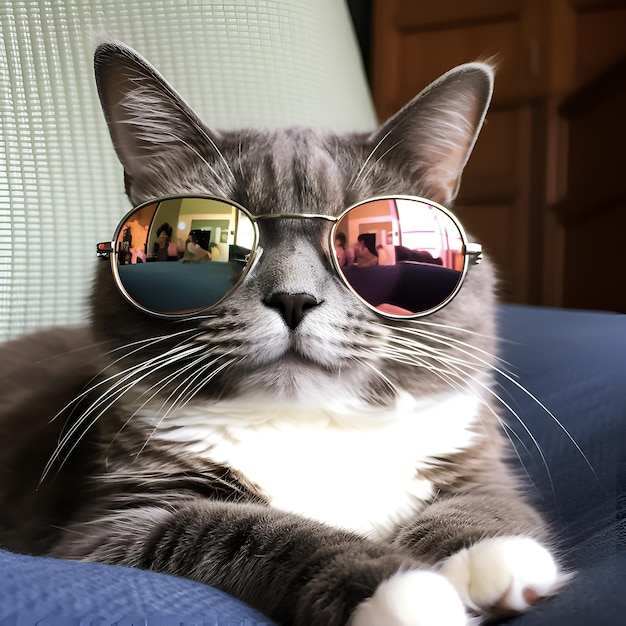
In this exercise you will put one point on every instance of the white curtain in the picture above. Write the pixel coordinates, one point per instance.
(236, 62)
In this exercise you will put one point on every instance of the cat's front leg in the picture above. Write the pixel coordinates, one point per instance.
(491, 546)
(296, 571)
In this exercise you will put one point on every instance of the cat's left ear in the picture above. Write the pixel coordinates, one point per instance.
(433, 135)
(156, 135)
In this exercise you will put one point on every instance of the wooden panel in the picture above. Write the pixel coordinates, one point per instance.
(491, 174)
(492, 226)
(429, 54)
(597, 5)
(597, 136)
(415, 42)
(499, 174)
(601, 42)
(594, 261)
(540, 176)
(422, 45)
(593, 212)
(386, 61)
(412, 15)
(406, 59)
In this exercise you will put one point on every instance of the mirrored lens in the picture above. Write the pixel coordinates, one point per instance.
(402, 256)
(181, 255)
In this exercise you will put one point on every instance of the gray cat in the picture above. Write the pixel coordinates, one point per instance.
(321, 460)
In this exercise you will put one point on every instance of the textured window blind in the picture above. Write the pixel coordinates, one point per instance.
(237, 63)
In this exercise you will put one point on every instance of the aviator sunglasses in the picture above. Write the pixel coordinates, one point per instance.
(402, 256)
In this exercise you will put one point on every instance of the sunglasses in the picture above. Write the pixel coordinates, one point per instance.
(402, 256)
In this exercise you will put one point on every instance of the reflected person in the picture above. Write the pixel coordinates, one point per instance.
(194, 252)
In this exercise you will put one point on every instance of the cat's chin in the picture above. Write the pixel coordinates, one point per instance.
(292, 365)
(293, 378)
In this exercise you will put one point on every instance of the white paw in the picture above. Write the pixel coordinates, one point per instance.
(503, 575)
(413, 598)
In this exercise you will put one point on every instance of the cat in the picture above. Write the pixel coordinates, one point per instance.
(343, 468)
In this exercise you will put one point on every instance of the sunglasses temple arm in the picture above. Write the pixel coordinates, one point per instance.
(104, 249)
(475, 252)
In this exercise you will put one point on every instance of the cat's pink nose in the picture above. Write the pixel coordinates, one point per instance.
(292, 306)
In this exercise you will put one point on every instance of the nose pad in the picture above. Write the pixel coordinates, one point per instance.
(292, 306)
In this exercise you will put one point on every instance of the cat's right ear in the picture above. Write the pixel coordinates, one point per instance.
(431, 138)
(155, 133)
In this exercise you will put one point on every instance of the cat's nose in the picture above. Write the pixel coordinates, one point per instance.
(292, 306)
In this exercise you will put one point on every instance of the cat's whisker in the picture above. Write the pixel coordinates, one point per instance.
(534, 398)
(453, 380)
(408, 358)
(379, 158)
(75, 351)
(357, 178)
(189, 383)
(157, 387)
(410, 352)
(519, 419)
(413, 362)
(510, 432)
(382, 377)
(55, 457)
(152, 364)
(150, 361)
(163, 382)
(89, 388)
(463, 372)
(186, 381)
(417, 354)
(200, 385)
(506, 428)
(471, 351)
(199, 317)
(509, 377)
(220, 154)
(149, 342)
(187, 400)
(109, 398)
(240, 161)
(449, 341)
(209, 166)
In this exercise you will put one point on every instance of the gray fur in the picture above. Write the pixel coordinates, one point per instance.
(113, 493)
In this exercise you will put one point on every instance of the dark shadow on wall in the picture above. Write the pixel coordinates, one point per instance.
(361, 12)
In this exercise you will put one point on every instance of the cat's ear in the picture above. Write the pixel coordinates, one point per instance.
(152, 128)
(433, 135)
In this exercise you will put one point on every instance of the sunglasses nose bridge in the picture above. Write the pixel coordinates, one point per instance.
(293, 234)
(284, 225)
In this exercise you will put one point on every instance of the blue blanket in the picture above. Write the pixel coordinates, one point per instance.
(573, 362)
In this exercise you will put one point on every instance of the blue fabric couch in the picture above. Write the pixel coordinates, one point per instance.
(189, 286)
(573, 362)
(395, 284)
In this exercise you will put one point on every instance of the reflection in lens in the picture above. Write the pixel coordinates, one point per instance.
(182, 255)
(402, 256)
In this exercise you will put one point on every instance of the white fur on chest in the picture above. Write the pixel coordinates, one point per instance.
(358, 471)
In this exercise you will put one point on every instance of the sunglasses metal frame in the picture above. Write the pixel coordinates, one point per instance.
(472, 252)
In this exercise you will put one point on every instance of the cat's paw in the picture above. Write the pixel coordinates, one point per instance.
(503, 575)
(412, 598)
